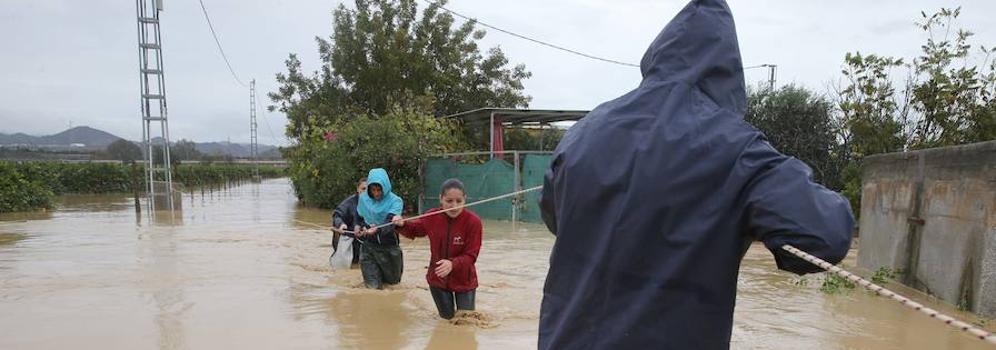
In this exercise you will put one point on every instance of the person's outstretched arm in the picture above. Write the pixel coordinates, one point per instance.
(784, 206)
(411, 229)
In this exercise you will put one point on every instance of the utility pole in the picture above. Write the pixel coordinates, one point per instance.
(772, 68)
(253, 140)
(772, 71)
(153, 100)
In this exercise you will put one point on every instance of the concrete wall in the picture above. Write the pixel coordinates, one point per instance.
(932, 214)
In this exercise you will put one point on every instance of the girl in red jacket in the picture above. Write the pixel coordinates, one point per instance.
(454, 240)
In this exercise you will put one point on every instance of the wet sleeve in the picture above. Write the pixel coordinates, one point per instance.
(388, 230)
(341, 212)
(414, 229)
(548, 209)
(397, 206)
(469, 255)
(361, 222)
(784, 206)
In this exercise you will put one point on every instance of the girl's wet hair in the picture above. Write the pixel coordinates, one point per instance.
(372, 186)
(452, 184)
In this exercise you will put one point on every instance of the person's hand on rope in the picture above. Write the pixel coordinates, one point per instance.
(443, 268)
(342, 227)
(370, 231)
(398, 221)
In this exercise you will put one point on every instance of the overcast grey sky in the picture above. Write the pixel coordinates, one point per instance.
(72, 61)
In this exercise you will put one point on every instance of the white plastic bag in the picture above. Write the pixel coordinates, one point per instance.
(342, 258)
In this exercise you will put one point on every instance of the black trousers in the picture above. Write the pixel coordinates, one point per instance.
(381, 265)
(445, 301)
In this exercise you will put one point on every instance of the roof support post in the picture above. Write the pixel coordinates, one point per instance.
(492, 139)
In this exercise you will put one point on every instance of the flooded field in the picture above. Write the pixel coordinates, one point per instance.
(236, 269)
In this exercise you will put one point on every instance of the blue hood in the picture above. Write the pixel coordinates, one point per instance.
(374, 212)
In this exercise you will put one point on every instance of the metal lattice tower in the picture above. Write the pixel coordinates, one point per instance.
(253, 139)
(153, 97)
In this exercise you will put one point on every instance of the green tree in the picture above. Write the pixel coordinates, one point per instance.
(329, 159)
(953, 99)
(382, 53)
(124, 150)
(874, 116)
(801, 124)
(946, 98)
(157, 155)
(185, 150)
(387, 72)
(524, 139)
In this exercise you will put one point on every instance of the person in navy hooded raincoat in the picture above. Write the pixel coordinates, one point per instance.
(656, 195)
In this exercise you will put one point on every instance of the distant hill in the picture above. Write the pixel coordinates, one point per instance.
(225, 148)
(238, 150)
(89, 137)
(93, 139)
(18, 138)
(82, 134)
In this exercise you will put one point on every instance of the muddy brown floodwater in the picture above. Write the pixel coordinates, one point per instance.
(237, 270)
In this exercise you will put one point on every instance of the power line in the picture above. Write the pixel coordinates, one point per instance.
(520, 36)
(267, 120)
(218, 42)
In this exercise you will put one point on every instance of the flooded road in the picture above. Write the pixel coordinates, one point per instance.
(237, 270)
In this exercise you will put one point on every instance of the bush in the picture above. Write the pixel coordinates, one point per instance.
(47, 174)
(17, 193)
(94, 178)
(203, 175)
(33, 185)
(324, 167)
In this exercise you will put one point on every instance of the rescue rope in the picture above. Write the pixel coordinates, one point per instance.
(326, 227)
(879, 290)
(310, 224)
(492, 199)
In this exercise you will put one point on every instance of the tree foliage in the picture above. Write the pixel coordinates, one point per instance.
(523, 139)
(33, 185)
(383, 53)
(387, 71)
(185, 150)
(20, 193)
(946, 97)
(801, 124)
(332, 157)
(124, 150)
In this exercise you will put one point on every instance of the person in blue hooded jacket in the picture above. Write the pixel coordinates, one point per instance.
(655, 196)
(381, 261)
